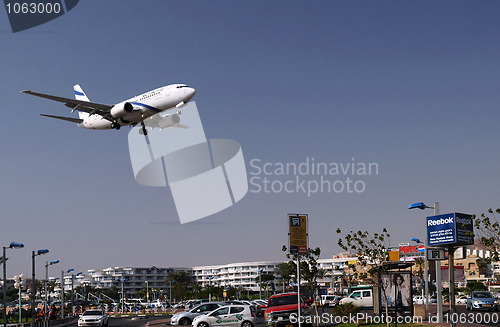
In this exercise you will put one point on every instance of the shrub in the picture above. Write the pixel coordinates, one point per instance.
(346, 309)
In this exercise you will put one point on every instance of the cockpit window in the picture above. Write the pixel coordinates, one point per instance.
(181, 86)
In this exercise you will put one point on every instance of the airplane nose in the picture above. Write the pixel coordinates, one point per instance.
(190, 92)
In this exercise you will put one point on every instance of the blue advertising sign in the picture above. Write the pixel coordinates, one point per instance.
(450, 229)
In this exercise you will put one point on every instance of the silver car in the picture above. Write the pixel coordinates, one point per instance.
(186, 317)
(482, 300)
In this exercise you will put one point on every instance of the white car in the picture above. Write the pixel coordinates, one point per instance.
(418, 299)
(93, 317)
(462, 299)
(239, 315)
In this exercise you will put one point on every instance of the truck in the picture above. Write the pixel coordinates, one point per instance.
(360, 297)
(282, 308)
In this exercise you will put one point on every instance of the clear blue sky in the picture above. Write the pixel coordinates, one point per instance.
(410, 85)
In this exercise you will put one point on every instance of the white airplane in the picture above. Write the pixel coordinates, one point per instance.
(130, 112)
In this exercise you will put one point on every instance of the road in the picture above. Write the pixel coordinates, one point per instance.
(132, 322)
(462, 318)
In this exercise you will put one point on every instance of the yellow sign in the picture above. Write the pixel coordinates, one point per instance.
(298, 233)
(393, 255)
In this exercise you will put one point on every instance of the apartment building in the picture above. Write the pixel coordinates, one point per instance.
(133, 279)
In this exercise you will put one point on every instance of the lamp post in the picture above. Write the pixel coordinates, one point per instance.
(260, 283)
(422, 206)
(147, 291)
(33, 284)
(72, 292)
(170, 293)
(62, 294)
(72, 305)
(123, 280)
(19, 283)
(47, 264)
(13, 245)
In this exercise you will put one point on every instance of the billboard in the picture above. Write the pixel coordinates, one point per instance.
(450, 229)
(397, 289)
(297, 233)
(411, 252)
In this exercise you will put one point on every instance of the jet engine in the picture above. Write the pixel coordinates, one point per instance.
(121, 109)
(170, 120)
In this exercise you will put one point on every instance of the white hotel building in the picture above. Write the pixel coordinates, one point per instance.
(134, 278)
(237, 275)
(244, 274)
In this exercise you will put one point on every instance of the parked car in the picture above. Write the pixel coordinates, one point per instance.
(186, 317)
(418, 299)
(260, 306)
(281, 306)
(482, 300)
(228, 315)
(93, 318)
(330, 300)
(462, 299)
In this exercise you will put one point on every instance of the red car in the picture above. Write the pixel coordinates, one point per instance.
(282, 310)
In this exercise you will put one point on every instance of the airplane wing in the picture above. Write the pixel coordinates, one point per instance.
(73, 120)
(85, 106)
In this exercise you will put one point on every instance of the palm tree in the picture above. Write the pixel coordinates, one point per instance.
(181, 281)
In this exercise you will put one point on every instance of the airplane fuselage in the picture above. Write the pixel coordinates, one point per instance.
(143, 106)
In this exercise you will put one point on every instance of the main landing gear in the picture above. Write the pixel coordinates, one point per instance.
(115, 125)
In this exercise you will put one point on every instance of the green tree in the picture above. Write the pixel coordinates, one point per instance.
(182, 282)
(265, 281)
(112, 292)
(372, 252)
(285, 270)
(473, 286)
(487, 231)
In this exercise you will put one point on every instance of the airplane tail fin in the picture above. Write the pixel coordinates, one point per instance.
(80, 95)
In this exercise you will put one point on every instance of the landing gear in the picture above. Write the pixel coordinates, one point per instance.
(144, 130)
(115, 125)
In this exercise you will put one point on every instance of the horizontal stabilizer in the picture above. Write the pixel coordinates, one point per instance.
(73, 120)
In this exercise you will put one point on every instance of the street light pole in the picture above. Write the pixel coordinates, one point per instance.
(260, 284)
(422, 206)
(47, 264)
(4, 259)
(147, 291)
(13, 245)
(73, 293)
(19, 282)
(62, 294)
(33, 281)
